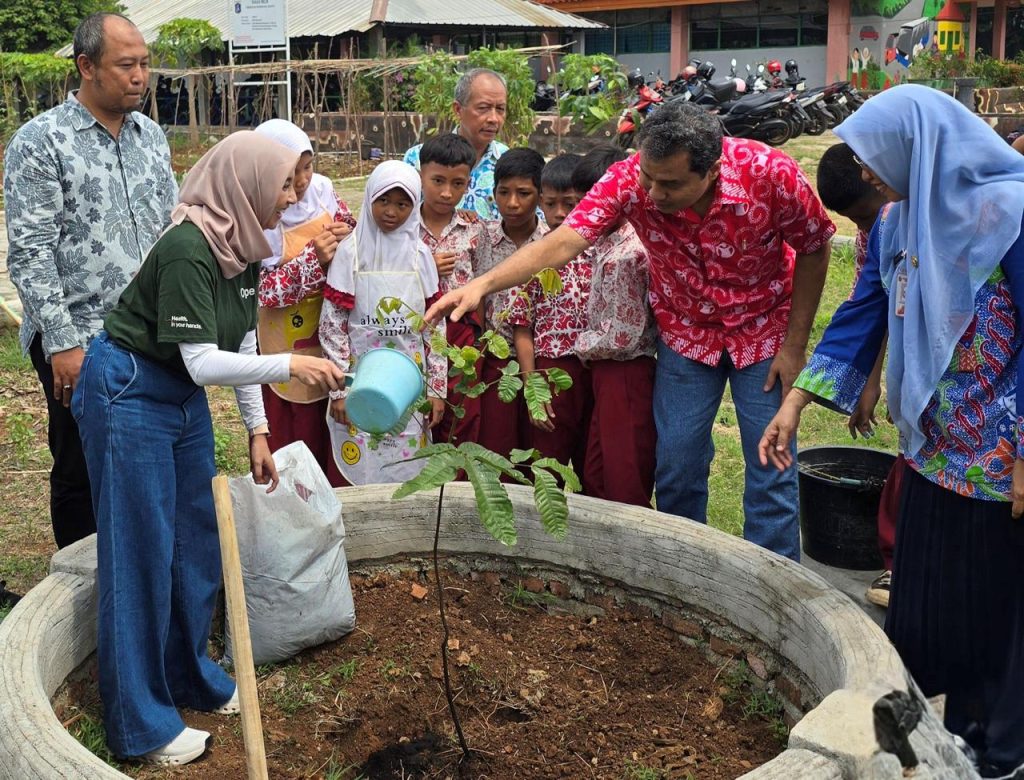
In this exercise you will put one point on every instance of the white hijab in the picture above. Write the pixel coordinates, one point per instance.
(318, 198)
(374, 250)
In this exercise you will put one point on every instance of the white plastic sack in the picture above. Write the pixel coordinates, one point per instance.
(291, 543)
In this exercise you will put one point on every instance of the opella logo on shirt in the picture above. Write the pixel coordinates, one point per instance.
(247, 292)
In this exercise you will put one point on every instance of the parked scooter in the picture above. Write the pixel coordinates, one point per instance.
(771, 116)
(544, 98)
(647, 99)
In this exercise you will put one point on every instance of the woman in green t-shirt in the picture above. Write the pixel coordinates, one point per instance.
(187, 320)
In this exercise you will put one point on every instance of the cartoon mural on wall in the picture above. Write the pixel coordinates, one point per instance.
(887, 34)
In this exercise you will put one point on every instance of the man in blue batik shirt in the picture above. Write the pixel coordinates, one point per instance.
(88, 188)
(480, 102)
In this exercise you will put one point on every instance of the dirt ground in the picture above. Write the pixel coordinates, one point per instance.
(545, 689)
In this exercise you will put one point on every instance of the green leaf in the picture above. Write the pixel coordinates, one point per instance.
(459, 412)
(551, 503)
(559, 378)
(510, 368)
(470, 355)
(498, 346)
(471, 449)
(438, 342)
(475, 391)
(433, 450)
(567, 473)
(508, 387)
(522, 456)
(537, 393)
(416, 321)
(492, 501)
(440, 470)
(550, 281)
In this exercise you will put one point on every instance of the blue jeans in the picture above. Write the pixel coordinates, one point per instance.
(687, 395)
(148, 442)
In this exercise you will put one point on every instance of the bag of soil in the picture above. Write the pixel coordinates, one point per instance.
(291, 543)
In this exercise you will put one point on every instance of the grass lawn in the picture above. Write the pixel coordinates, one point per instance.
(26, 541)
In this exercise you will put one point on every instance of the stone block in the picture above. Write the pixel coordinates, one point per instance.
(533, 584)
(676, 622)
(841, 728)
(724, 647)
(560, 589)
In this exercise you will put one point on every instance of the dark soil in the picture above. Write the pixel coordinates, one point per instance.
(545, 689)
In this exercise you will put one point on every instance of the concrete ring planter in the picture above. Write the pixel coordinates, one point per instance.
(839, 659)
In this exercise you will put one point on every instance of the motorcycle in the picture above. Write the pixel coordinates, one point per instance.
(771, 116)
(647, 99)
(544, 98)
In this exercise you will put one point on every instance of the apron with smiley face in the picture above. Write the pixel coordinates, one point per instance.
(360, 460)
(295, 328)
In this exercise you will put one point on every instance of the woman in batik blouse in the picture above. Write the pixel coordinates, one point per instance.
(945, 275)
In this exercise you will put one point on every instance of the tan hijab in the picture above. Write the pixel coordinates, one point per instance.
(231, 192)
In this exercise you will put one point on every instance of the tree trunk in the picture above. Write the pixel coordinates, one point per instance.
(193, 119)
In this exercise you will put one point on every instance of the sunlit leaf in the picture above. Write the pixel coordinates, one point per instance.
(550, 281)
(473, 450)
(537, 393)
(567, 473)
(438, 342)
(508, 387)
(551, 503)
(439, 470)
(475, 391)
(522, 456)
(498, 346)
(492, 501)
(559, 378)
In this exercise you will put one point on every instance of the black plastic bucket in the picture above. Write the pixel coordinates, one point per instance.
(840, 488)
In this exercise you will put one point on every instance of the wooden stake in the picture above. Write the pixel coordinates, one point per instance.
(238, 620)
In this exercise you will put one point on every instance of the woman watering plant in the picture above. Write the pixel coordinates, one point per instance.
(187, 320)
(945, 274)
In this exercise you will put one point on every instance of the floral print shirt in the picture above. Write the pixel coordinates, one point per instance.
(469, 242)
(973, 429)
(288, 283)
(620, 324)
(556, 320)
(83, 209)
(479, 195)
(721, 282)
(498, 306)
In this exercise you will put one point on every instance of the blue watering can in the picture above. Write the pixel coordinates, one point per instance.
(385, 385)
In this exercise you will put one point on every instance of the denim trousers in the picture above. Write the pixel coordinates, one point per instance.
(148, 442)
(687, 396)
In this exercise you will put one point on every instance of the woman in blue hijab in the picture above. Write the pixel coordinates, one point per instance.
(944, 278)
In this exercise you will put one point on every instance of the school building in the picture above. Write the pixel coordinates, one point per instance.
(874, 40)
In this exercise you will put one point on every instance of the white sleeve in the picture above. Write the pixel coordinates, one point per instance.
(250, 397)
(208, 365)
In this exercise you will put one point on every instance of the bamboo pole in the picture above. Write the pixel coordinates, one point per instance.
(238, 620)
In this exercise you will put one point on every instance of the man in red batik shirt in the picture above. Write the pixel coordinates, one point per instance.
(738, 246)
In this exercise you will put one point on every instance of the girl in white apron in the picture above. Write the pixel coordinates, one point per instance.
(383, 258)
(291, 294)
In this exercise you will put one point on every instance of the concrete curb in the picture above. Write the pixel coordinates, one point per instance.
(843, 656)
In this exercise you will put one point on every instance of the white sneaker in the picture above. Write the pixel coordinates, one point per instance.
(231, 706)
(187, 746)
